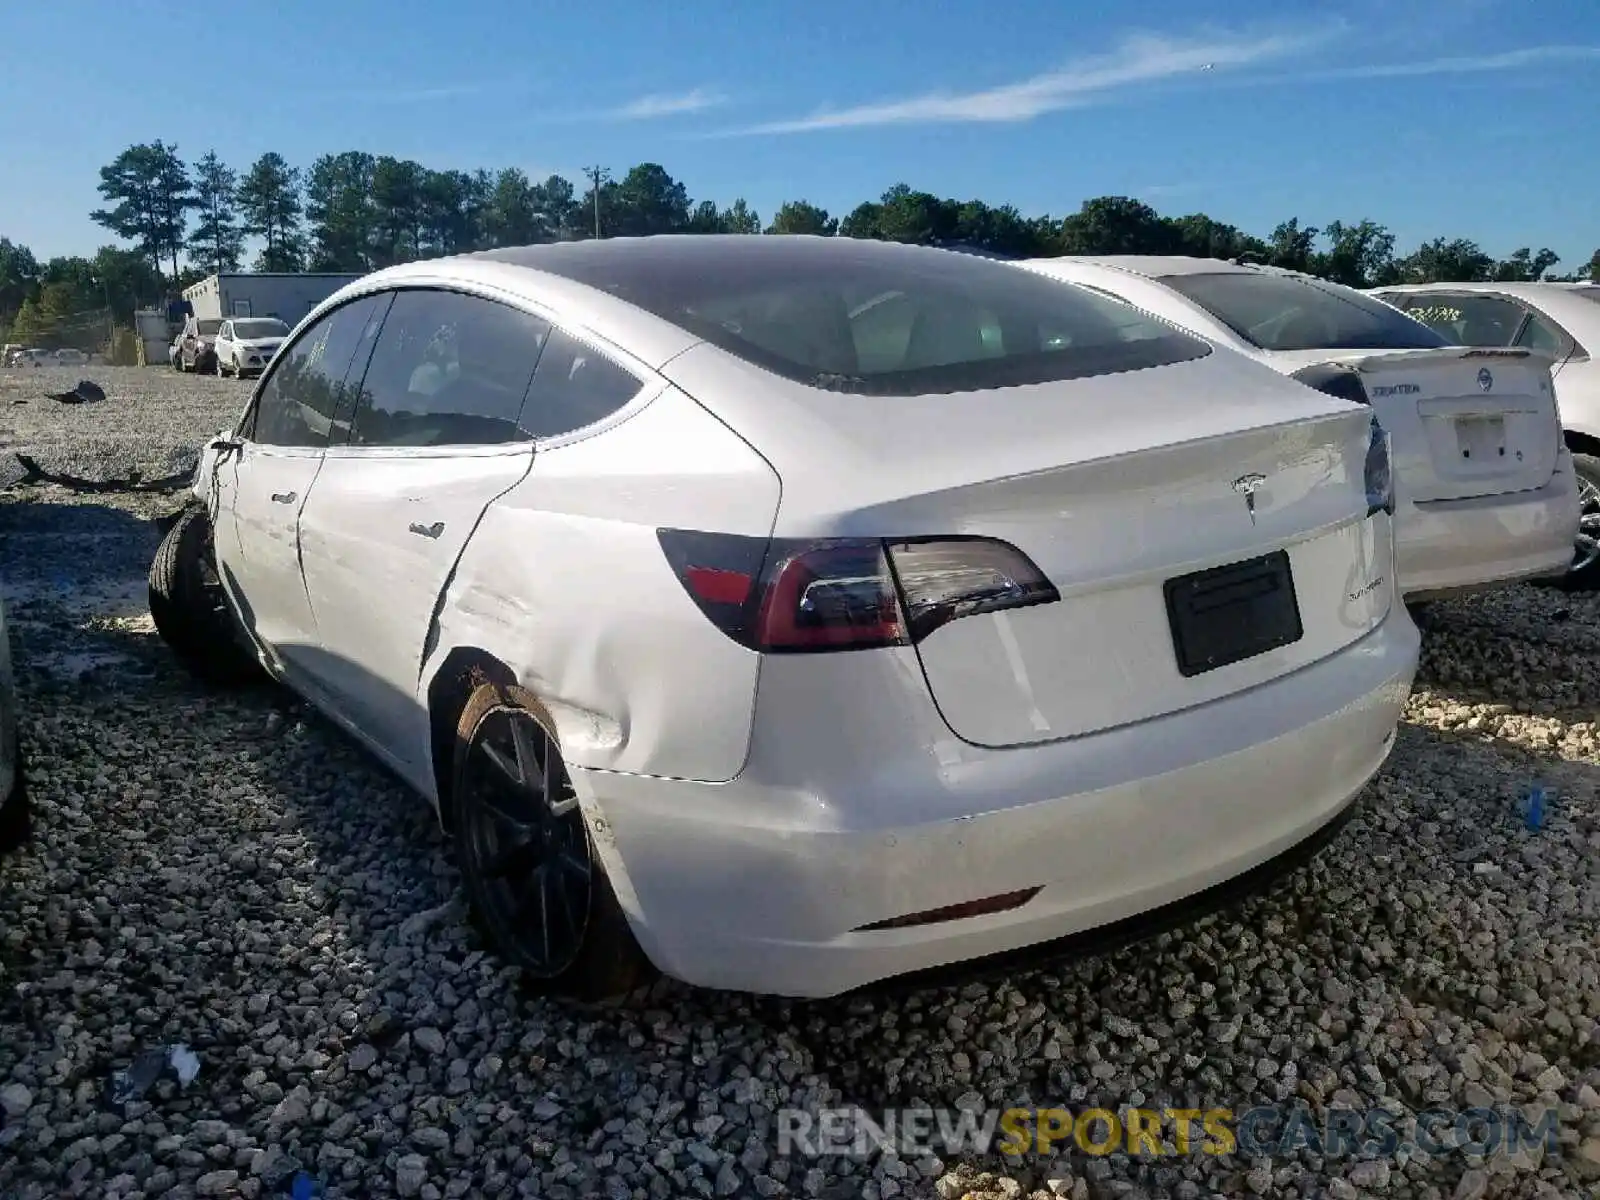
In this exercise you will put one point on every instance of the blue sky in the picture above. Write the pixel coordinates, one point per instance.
(1473, 118)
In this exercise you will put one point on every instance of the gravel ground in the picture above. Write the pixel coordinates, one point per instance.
(227, 872)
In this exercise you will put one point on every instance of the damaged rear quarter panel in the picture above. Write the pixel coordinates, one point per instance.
(565, 582)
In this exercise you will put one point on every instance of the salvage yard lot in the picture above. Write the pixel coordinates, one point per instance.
(228, 872)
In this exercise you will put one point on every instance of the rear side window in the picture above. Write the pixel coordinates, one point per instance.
(300, 399)
(1540, 334)
(573, 387)
(448, 370)
(878, 319)
(1288, 312)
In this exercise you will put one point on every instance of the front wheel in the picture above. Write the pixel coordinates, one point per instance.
(1584, 574)
(528, 860)
(189, 607)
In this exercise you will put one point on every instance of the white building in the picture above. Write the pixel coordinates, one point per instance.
(288, 296)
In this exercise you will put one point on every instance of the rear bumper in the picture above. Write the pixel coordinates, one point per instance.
(858, 806)
(1462, 545)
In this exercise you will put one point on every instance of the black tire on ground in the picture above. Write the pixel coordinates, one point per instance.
(16, 815)
(190, 612)
(603, 963)
(1586, 578)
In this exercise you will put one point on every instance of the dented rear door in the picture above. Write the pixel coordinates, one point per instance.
(380, 535)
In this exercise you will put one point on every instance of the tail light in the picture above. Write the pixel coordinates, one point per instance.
(1378, 472)
(783, 595)
(1334, 379)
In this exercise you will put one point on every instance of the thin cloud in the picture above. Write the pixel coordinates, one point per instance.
(650, 108)
(379, 94)
(1472, 64)
(1509, 60)
(1141, 59)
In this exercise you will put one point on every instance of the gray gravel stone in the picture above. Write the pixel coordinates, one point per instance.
(15, 1100)
(227, 871)
(410, 1173)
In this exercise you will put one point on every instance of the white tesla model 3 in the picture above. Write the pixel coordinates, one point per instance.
(785, 614)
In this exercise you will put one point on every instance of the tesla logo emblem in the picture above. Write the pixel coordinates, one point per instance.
(1246, 486)
(1485, 380)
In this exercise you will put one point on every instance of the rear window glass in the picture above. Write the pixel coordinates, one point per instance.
(1286, 312)
(875, 318)
(1469, 320)
(261, 327)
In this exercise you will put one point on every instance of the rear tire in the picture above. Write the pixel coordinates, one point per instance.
(190, 610)
(1585, 573)
(16, 815)
(536, 886)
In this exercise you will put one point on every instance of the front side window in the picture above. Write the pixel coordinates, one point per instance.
(1291, 312)
(1465, 319)
(873, 318)
(305, 391)
(449, 370)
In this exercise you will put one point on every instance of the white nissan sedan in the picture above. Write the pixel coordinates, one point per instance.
(785, 614)
(1559, 319)
(1485, 488)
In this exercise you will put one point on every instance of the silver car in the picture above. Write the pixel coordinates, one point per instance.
(13, 791)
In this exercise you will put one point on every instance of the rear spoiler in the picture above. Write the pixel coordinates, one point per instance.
(1401, 358)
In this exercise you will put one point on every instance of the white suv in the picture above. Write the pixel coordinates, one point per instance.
(246, 345)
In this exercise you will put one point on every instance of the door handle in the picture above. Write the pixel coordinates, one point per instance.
(429, 531)
(283, 497)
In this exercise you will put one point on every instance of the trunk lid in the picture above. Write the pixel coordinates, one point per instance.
(1172, 593)
(1464, 422)
(1115, 487)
